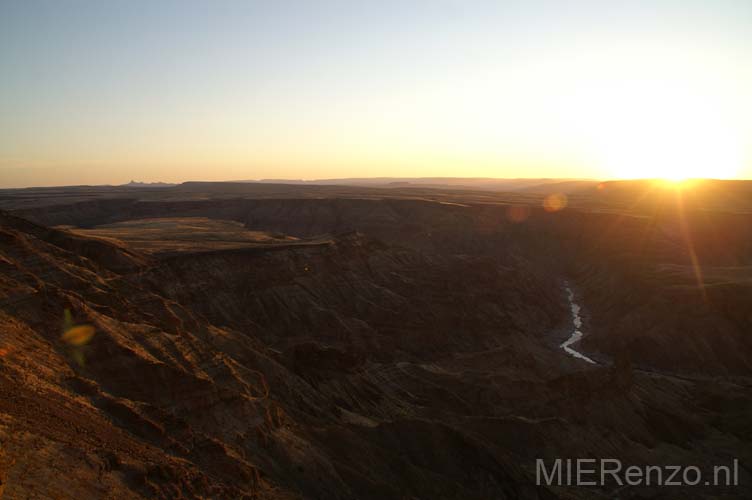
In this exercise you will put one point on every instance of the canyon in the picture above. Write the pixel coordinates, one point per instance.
(220, 340)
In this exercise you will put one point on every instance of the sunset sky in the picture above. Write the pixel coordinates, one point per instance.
(105, 92)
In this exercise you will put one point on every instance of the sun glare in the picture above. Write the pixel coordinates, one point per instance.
(654, 135)
(670, 148)
(651, 116)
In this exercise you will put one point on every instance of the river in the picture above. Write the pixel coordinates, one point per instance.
(576, 333)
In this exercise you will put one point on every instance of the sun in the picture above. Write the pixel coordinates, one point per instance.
(654, 135)
(669, 148)
(675, 178)
(643, 120)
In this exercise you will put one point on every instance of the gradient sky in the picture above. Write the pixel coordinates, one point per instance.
(109, 91)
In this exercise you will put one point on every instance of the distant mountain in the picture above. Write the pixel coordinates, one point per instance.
(135, 184)
(472, 183)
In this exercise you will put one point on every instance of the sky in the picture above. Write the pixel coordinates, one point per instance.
(97, 92)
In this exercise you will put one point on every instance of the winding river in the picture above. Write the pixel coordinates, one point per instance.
(576, 334)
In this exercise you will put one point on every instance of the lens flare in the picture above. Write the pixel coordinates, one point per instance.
(517, 213)
(555, 202)
(78, 335)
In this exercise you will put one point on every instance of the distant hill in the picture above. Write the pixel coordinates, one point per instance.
(135, 184)
(472, 183)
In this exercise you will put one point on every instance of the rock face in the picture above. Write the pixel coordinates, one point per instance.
(410, 352)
